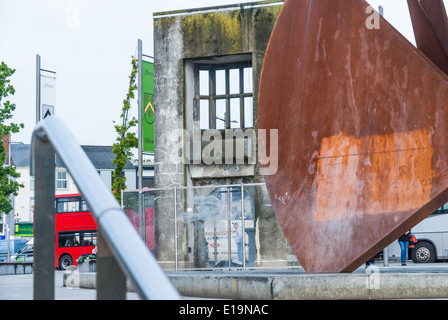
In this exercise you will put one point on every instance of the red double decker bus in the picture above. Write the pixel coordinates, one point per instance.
(76, 230)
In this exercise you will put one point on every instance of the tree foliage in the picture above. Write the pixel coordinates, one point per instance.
(126, 140)
(8, 174)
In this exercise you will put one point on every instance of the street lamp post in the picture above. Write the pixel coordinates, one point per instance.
(6, 217)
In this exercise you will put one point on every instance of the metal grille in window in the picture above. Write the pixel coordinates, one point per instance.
(224, 96)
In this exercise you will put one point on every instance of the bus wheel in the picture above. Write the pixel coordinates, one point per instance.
(423, 252)
(65, 261)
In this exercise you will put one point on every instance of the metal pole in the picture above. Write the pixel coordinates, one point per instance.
(111, 280)
(43, 169)
(243, 226)
(229, 223)
(38, 113)
(8, 238)
(140, 141)
(7, 216)
(386, 257)
(215, 245)
(175, 229)
(140, 107)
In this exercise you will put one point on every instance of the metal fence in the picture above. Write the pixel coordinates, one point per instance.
(198, 227)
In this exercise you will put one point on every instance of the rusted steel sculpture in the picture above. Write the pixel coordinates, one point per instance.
(362, 120)
(431, 30)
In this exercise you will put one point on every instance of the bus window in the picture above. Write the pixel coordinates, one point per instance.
(68, 239)
(88, 239)
(78, 238)
(67, 204)
(84, 206)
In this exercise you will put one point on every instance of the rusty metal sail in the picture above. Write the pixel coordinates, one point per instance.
(362, 121)
(430, 25)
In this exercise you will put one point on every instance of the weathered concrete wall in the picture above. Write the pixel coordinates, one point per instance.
(295, 286)
(168, 85)
(16, 268)
(356, 286)
(180, 37)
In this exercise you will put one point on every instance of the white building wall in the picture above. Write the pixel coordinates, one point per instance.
(131, 179)
(24, 202)
(106, 176)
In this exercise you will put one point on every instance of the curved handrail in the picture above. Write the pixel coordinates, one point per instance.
(129, 250)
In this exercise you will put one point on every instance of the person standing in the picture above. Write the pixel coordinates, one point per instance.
(239, 241)
(403, 241)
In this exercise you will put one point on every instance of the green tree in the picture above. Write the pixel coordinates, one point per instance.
(8, 185)
(126, 140)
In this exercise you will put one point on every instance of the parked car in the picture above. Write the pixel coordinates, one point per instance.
(15, 246)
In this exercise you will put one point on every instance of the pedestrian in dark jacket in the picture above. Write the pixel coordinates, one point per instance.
(403, 241)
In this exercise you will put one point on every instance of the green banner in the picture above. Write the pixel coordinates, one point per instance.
(148, 106)
(24, 229)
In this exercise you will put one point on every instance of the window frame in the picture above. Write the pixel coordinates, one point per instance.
(213, 97)
(77, 204)
(62, 180)
(80, 235)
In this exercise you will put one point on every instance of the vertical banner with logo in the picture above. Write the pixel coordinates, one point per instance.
(148, 106)
(45, 91)
(47, 95)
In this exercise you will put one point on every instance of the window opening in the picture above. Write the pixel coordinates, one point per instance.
(77, 238)
(224, 95)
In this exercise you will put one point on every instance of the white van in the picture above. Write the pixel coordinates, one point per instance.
(432, 236)
(26, 253)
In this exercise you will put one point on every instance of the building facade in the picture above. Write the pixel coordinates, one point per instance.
(100, 156)
(208, 64)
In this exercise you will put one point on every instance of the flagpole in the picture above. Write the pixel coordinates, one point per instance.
(140, 140)
(140, 108)
(37, 88)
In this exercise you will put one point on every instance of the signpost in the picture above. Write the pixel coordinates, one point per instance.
(45, 91)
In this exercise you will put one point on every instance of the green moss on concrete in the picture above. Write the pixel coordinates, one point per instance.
(264, 20)
(216, 33)
(164, 23)
(222, 32)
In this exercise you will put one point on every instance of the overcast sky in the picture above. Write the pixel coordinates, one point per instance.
(89, 44)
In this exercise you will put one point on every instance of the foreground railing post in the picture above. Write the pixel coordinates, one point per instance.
(111, 281)
(43, 169)
(125, 244)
